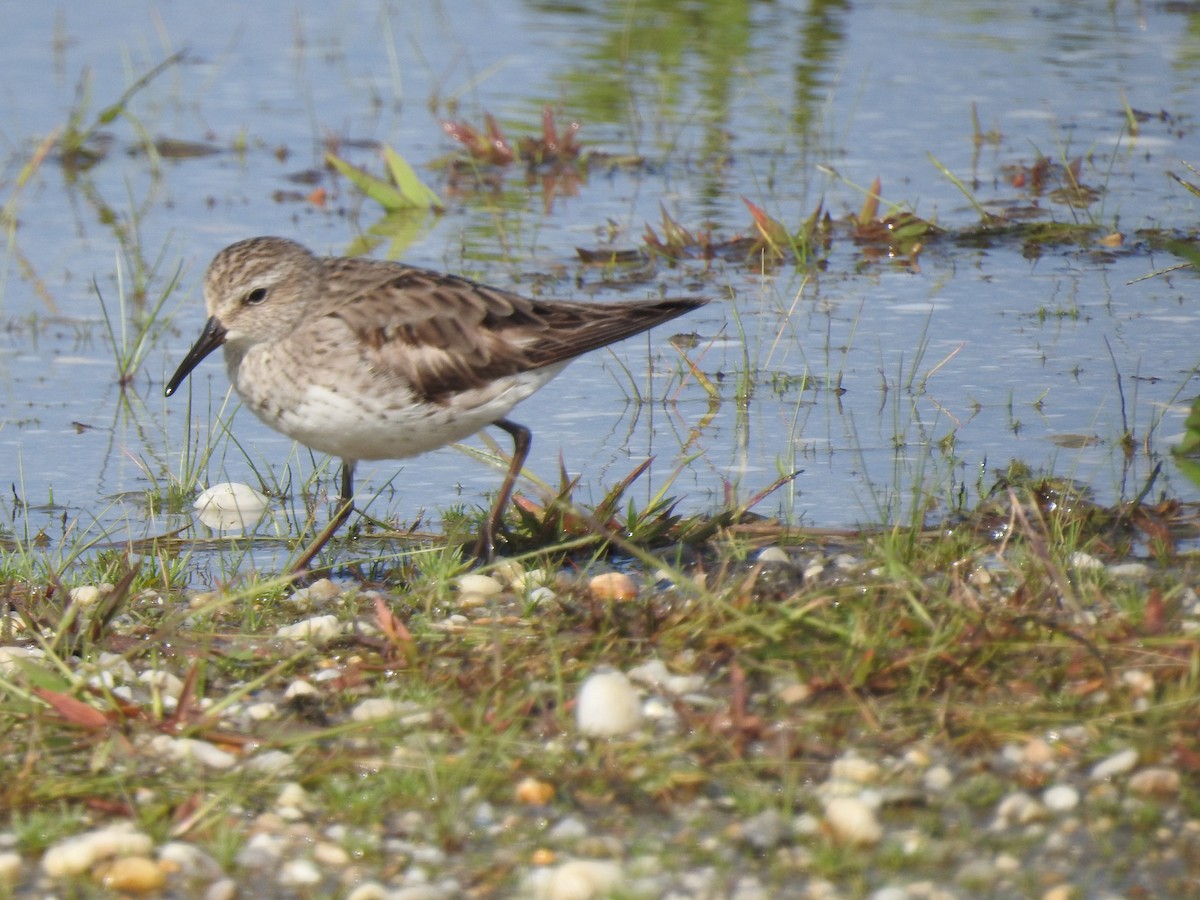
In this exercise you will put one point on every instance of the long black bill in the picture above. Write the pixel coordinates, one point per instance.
(210, 339)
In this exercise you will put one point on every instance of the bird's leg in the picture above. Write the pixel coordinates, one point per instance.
(345, 507)
(486, 546)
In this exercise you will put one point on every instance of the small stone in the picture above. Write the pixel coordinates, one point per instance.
(793, 693)
(230, 506)
(330, 855)
(1129, 571)
(76, 855)
(855, 769)
(368, 890)
(1060, 798)
(764, 831)
(568, 829)
(577, 879)
(1061, 892)
(532, 792)
(1085, 561)
(85, 594)
(299, 873)
(225, 889)
(612, 586)
(10, 869)
(190, 861)
(191, 750)
(851, 821)
(483, 585)
(1018, 809)
(607, 705)
(376, 708)
(1139, 681)
(133, 875)
(1155, 782)
(316, 630)
(1037, 752)
(773, 556)
(1117, 764)
(938, 778)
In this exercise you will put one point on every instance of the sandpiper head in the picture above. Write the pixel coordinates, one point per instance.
(255, 290)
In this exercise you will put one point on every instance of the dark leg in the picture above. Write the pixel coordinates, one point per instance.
(486, 547)
(345, 507)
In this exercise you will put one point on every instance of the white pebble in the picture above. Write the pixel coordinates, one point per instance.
(1132, 571)
(607, 705)
(317, 630)
(76, 855)
(474, 583)
(854, 768)
(299, 873)
(1085, 561)
(10, 869)
(230, 505)
(1060, 798)
(773, 555)
(938, 778)
(1117, 764)
(576, 879)
(853, 822)
(1018, 809)
(376, 708)
(191, 750)
(369, 890)
(225, 889)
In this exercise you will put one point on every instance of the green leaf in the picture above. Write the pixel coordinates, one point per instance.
(409, 184)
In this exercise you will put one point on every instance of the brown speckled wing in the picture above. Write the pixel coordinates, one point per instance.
(443, 334)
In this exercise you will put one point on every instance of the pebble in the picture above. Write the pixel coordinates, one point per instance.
(851, 821)
(76, 855)
(937, 778)
(1117, 764)
(475, 583)
(1085, 561)
(773, 555)
(316, 630)
(765, 830)
(299, 873)
(612, 586)
(320, 592)
(230, 505)
(532, 792)
(577, 879)
(1133, 571)
(1060, 798)
(133, 875)
(1018, 808)
(1155, 782)
(191, 750)
(607, 705)
(405, 712)
(855, 769)
(10, 869)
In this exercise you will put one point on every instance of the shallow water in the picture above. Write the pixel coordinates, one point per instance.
(1006, 352)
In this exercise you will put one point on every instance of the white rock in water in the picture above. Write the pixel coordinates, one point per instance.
(607, 705)
(230, 505)
(853, 822)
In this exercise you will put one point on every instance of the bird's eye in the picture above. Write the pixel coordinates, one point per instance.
(256, 296)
